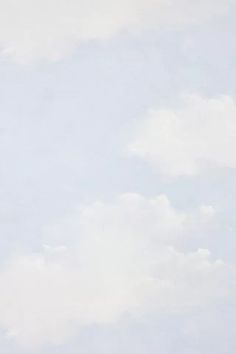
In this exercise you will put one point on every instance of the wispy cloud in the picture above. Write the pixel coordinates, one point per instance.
(48, 29)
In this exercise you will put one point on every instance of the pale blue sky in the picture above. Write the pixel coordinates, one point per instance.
(65, 128)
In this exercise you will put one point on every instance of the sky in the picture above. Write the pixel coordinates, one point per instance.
(117, 177)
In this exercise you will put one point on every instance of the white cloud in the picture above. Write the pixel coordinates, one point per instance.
(116, 259)
(47, 29)
(199, 134)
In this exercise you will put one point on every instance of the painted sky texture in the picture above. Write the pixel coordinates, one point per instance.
(117, 176)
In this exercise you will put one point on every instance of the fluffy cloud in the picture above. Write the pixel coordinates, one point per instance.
(116, 259)
(199, 134)
(46, 29)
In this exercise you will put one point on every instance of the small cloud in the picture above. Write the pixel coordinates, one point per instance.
(185, 141)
